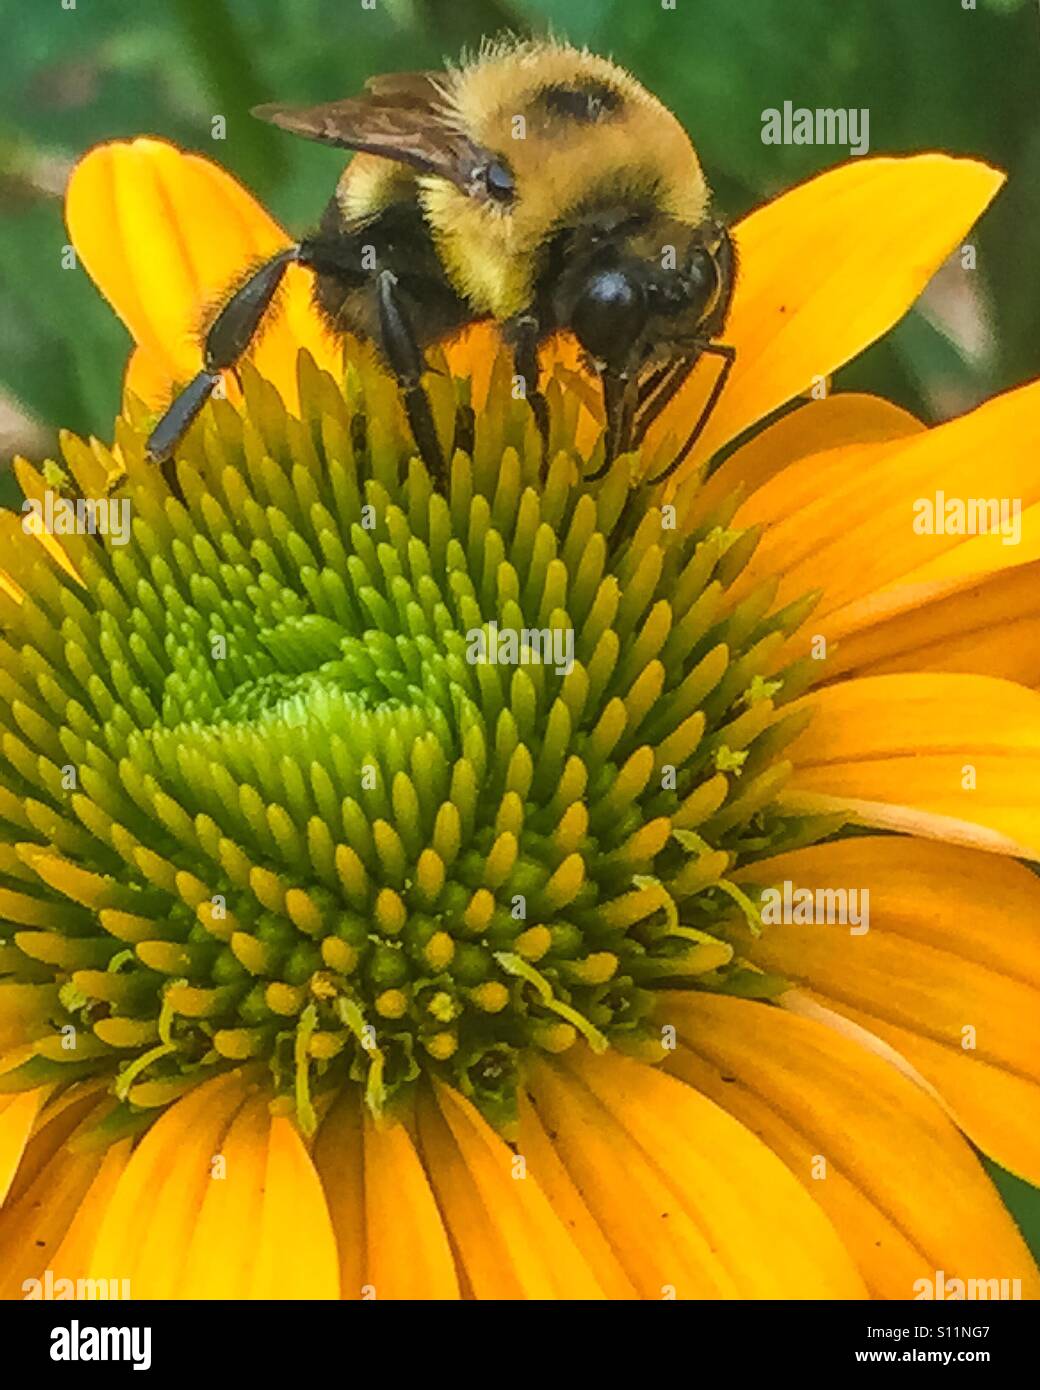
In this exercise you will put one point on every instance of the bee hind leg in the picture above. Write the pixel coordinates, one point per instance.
(465, 429)
(405, 358)
(227, 339)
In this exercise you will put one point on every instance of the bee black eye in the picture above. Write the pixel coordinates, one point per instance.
(701, 277)
(499, 181)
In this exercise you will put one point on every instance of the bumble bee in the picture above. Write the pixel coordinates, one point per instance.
(538, 186)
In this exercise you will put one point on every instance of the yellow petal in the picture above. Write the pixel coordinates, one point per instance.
(545, 1165)
(147, 1223)
(819, 430)
(133, 213)
(73, 1256)
(17, 1116)
(766, 1237)
(56, 1119)
(826, 269)
(904, 1190)
(132, 210)
(32, 1230)
(986, 624)
(949, 757)
(866, 501)
(408, 1251)
(509, 1241)
(659, 1245)
(224, 1237)
(148, 377)
(296, 1248)
(339, 1160)
(997, 1108)
(951, 957)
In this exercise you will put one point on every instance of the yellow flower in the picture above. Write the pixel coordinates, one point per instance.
(334, 964)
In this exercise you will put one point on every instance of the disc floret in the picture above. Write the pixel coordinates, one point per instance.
(285, 805)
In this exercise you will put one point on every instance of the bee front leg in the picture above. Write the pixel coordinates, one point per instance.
(227, 339)
(659, 390)
(526, 333)
(729, 356)
(620, 392)
(404, 356)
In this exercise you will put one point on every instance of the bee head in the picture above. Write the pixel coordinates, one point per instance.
(632, 286)
(552, 130)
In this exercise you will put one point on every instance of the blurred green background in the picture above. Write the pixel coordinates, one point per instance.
(933, 74)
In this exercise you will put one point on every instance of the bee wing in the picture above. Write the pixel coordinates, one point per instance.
(402, 116)
(408, 88)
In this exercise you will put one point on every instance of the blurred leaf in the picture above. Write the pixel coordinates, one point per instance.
(463, 23)
(1021, 1199)
(60, 345)
(225, 62)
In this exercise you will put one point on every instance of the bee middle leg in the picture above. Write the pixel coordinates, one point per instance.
(406, 361)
